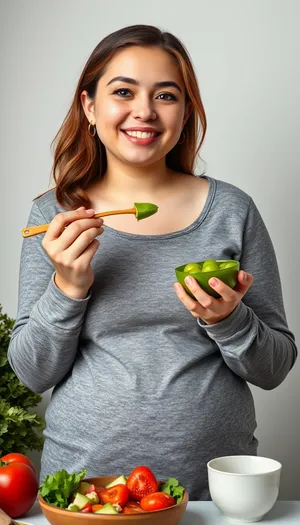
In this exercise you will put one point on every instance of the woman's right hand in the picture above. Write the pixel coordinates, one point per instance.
(71, 250)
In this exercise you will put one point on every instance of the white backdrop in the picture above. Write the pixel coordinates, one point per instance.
(246, 54)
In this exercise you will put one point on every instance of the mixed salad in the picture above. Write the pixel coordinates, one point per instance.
(139, 492)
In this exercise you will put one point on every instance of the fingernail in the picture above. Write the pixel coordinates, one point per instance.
(188, 281)
(177, 287)
(245, 277)
(213, 282)
(90, 211)
(100, 221)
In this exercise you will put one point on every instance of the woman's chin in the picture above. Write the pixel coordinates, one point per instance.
(142, 161)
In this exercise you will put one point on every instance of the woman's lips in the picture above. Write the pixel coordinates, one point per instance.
(141, 138)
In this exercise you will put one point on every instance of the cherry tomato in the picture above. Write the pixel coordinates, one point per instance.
(18, 485)
(140, 482)
(157, 501)
(92, 488)
(131, 507)
(96, 506)
(87, 508)
(98, 491)
(117, 494)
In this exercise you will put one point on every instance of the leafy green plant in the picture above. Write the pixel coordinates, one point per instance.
(20, 428)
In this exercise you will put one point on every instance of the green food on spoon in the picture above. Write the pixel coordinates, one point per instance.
(144, 210)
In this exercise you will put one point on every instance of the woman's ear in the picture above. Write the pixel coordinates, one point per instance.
(88, 105)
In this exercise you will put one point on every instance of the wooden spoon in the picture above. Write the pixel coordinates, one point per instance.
(141, 210)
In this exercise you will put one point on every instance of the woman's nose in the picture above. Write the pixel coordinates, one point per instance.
(143, 110)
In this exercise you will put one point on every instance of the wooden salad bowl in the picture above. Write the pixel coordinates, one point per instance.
(168, 516)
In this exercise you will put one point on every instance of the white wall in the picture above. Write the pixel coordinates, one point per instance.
(246, 53)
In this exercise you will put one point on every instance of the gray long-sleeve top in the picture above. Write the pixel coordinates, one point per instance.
(137, 380)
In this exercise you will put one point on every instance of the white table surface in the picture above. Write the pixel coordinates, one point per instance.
(206, 513)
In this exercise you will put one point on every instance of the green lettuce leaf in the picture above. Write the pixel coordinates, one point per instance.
(173, 488)
(57, 488)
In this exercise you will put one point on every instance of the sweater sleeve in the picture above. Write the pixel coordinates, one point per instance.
(45, 336)
(254, 339)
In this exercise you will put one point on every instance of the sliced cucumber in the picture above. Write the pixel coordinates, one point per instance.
(83, 487)
(121, 480)
(108, 508)
(73, 507)
(80, 500)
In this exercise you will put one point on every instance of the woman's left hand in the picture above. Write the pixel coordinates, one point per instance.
(207, 308)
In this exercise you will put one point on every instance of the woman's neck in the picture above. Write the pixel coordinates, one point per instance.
(122, 182)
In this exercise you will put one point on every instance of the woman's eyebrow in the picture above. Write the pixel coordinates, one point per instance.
(128, 80)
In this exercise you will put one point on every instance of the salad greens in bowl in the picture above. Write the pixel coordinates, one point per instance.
(72, 499)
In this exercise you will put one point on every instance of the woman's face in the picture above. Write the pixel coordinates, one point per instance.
(139, 107)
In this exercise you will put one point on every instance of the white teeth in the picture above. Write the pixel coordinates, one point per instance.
(141, 134)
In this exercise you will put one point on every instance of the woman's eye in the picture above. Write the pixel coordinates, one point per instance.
(122, 92)
(166, 96)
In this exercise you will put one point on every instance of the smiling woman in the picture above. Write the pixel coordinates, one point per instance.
(144, 374)
(137, 107)
(132, 100)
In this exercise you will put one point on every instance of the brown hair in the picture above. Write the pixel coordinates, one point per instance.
(79, 158)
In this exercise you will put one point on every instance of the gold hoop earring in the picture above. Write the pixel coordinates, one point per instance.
(92, 129)
(181, 140)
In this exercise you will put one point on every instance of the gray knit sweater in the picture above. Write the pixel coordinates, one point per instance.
(137, 380)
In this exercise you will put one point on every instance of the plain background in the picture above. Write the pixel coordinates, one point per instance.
(246, 55)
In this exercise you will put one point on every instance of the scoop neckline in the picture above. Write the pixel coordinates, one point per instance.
(195, 224)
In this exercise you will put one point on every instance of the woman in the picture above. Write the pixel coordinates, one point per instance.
(138, 378)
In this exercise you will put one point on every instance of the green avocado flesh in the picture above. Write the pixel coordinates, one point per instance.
(144, 210)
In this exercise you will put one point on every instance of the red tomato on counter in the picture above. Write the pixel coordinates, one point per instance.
(18, 484)
(157, 501)
(140, 482)
(16, 457)
(117, 494)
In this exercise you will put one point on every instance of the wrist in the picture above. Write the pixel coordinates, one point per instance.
(71, 291)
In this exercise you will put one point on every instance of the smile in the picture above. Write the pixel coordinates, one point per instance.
(141, 138)
(142, 134)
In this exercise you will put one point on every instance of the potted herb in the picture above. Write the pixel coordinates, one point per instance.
(20, 427)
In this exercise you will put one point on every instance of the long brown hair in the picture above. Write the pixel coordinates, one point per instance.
(79, 158)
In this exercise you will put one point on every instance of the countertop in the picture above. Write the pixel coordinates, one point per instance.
(205, 513)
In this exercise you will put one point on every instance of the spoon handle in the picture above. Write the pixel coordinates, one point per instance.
(29, 231)
(5, 519)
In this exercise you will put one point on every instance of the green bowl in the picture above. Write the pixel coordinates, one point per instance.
(227, 275)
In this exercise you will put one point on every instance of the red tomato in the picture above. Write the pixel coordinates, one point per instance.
(99, 490)
(87, 508)
(92, 488)
(96, 506)
(157, 501)
(15, 457)
(131, 507)
(140, 482)
(18, 485)
(118, 494)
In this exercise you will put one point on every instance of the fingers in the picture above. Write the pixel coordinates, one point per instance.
(81, 244)
(61, 220)
(84, 260)
(245, 280)
(206, 300)
(228, 295)
(84, 229)
(193, 306)
(207, 307)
